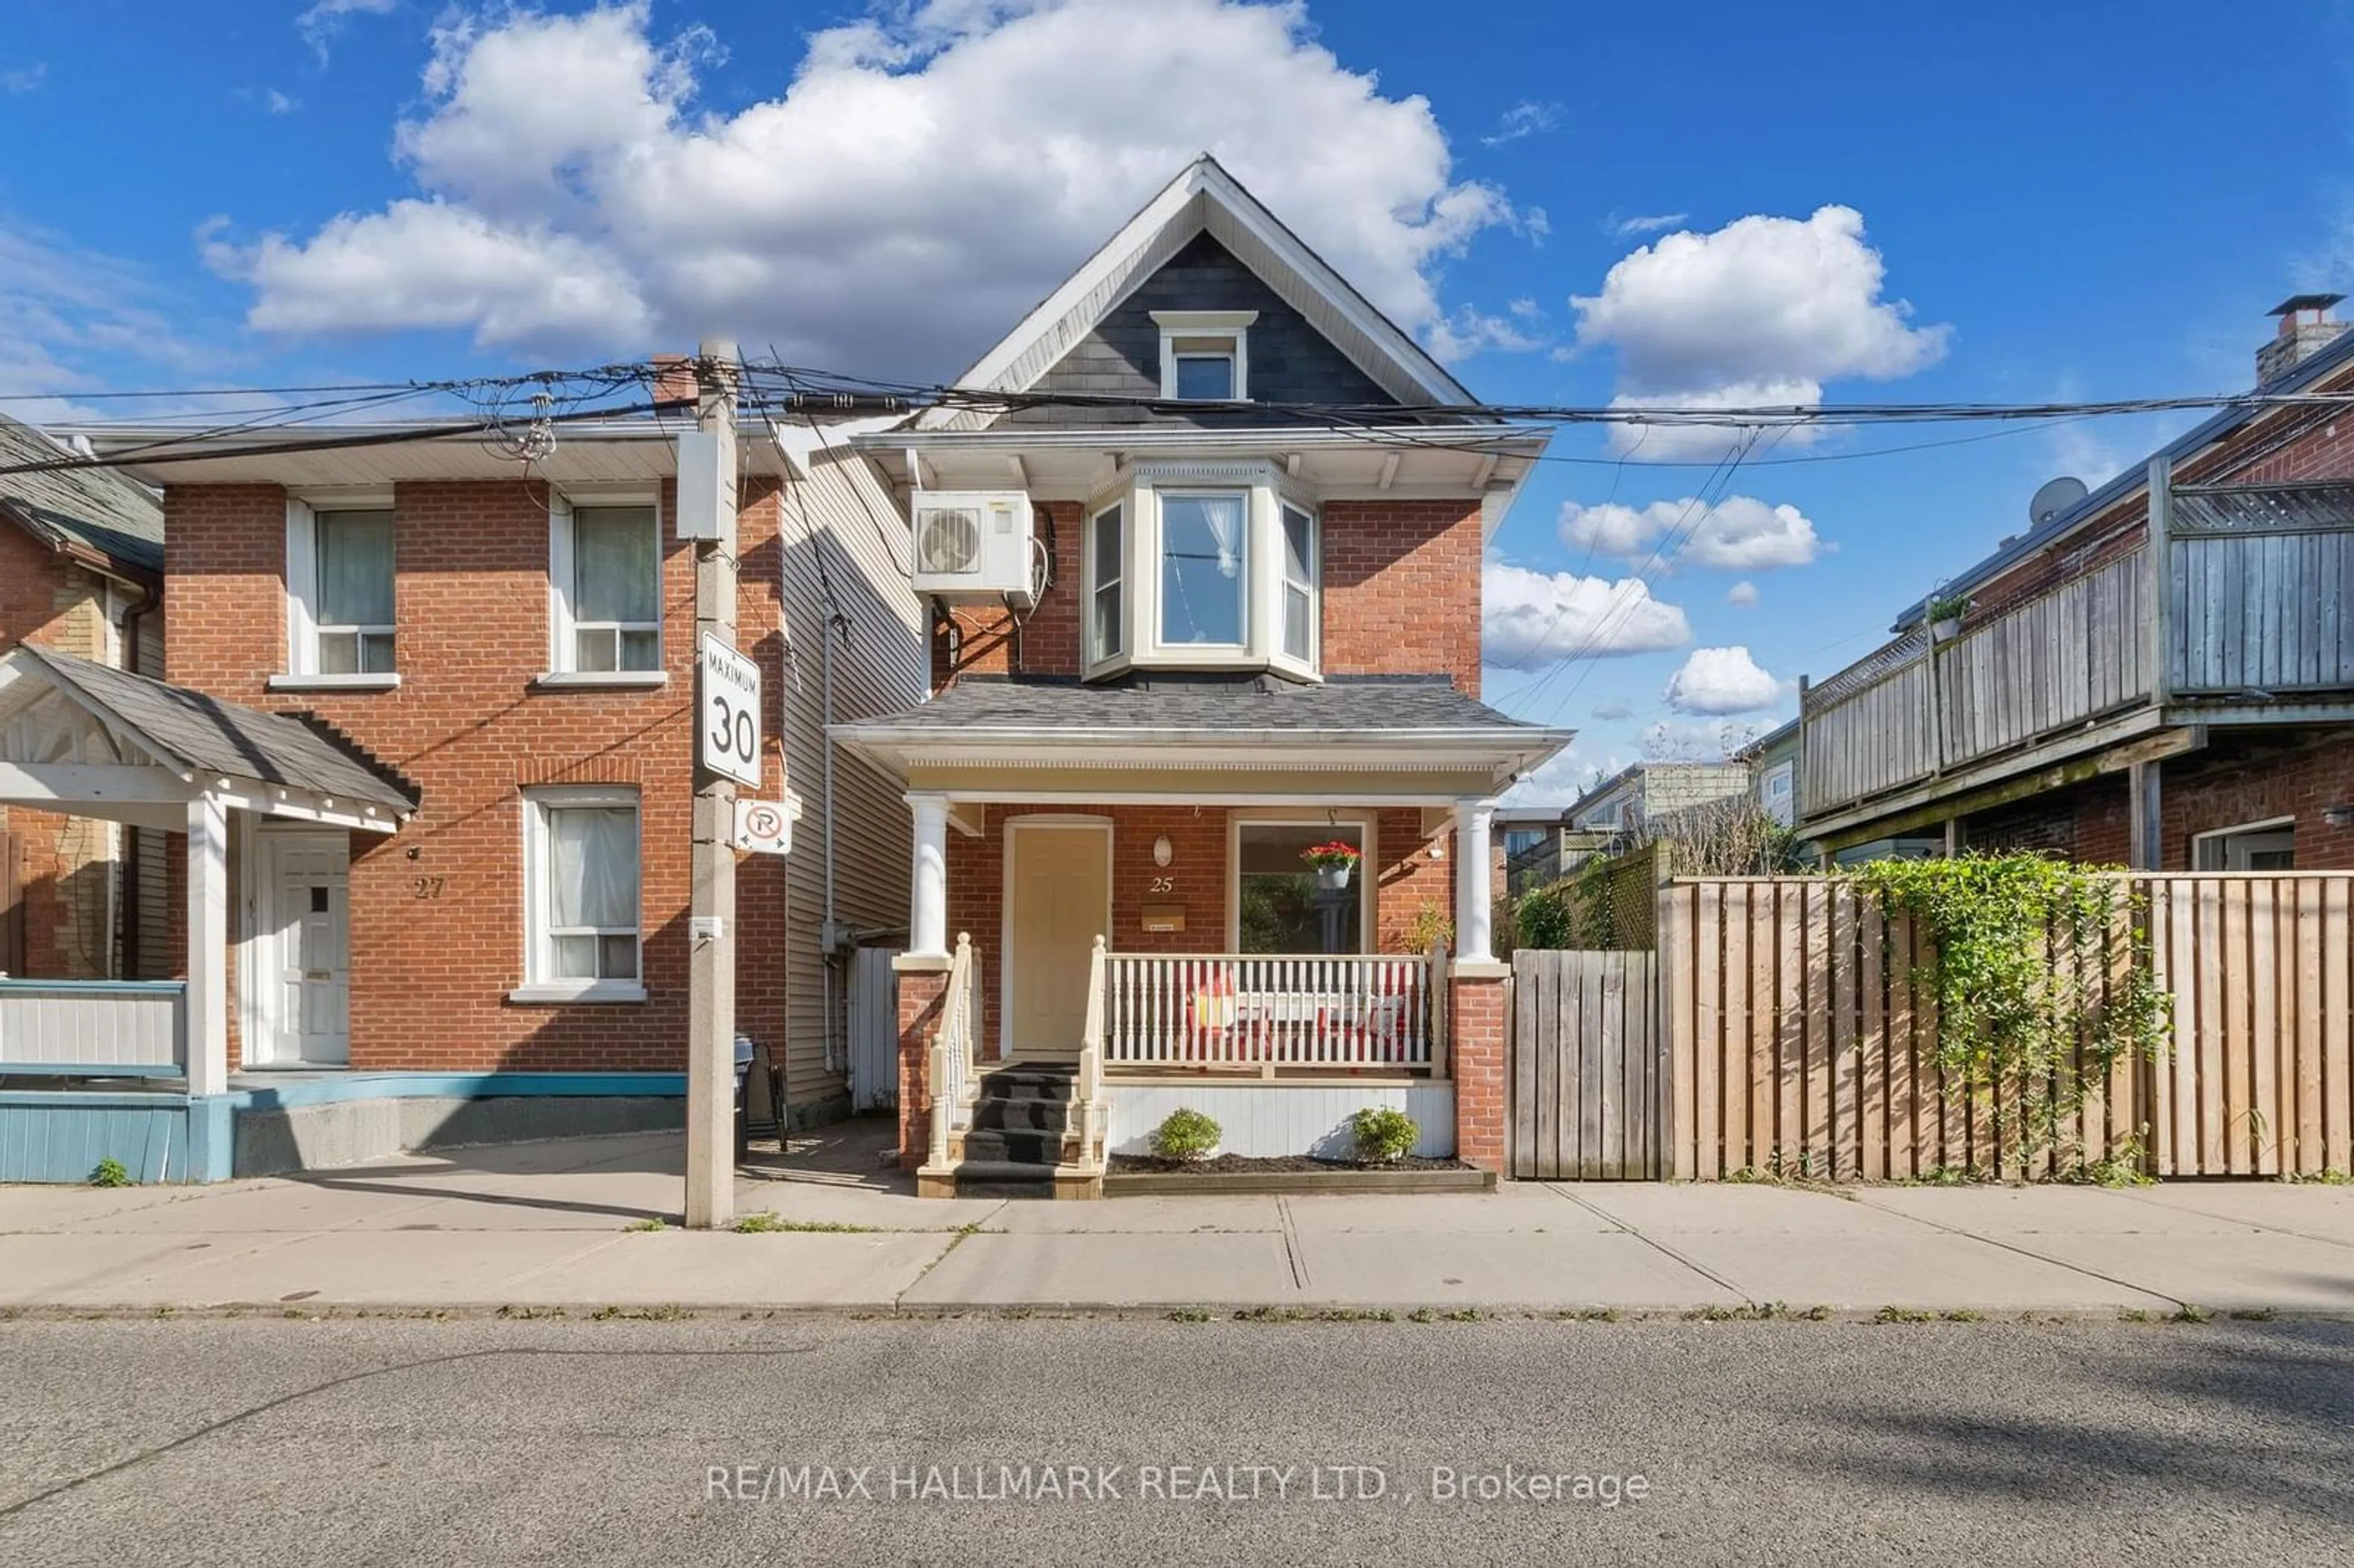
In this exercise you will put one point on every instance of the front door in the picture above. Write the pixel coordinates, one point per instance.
(306, 946)
(1057, 903)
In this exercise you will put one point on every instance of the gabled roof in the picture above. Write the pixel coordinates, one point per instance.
(207, 738)
(94, 508)
(1205, 197)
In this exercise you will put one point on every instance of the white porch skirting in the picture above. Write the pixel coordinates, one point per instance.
(1266, 1120)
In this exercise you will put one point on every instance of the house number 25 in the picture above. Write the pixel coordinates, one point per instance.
(1161, 884)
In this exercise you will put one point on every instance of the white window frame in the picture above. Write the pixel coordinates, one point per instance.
(1232, 327)
(1366, 875)
(1781, 807)
(301, 588)
(539, 982)
(563, 629)
(2220, 838)
(1268, 581)
(1312, 589)
(1095, 582)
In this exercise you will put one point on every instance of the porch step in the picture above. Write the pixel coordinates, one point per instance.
(1021, 1118)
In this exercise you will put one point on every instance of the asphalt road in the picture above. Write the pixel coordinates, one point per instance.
(568, 1442)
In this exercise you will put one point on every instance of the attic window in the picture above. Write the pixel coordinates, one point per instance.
(1205, 354)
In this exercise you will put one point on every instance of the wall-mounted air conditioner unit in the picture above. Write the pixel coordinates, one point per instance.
(975, 544)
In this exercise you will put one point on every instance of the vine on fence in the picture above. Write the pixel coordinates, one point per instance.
(2028, 995)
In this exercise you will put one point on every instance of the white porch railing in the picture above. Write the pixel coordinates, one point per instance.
(94, 1026)
(956, 1070)
(1269, 1012)
(1092, 1106)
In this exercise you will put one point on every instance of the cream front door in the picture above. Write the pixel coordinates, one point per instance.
(308, 943)
(1058, 902)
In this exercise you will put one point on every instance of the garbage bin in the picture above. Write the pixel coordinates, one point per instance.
(744, 1051)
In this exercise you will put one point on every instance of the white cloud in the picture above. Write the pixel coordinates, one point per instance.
(1613, 712)
(18, 80)
(1762, 310)
(1742, 593)
(1521, 120)
(1528, 618)
(1558, 782)
(1469, 330)
(278, 102)
(325, 18)
(1740, 533)
(1618, 228)
(1722, 681)
(925, 176)
(1686, 740)
(73, 320)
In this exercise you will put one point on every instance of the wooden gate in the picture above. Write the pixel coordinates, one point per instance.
(873, 1019)
(1583, 1087)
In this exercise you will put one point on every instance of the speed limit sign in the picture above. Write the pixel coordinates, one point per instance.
(727, 728)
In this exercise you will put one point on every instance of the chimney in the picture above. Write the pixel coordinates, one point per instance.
(674, 379)
(2306, 328)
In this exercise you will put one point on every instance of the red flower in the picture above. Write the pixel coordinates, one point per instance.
(1337, 852)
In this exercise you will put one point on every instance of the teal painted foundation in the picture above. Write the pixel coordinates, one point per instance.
(165, 1135)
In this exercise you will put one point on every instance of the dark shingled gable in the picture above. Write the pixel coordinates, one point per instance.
(94, 506)
(210, 736)
(1290, 362)
(1208, 703)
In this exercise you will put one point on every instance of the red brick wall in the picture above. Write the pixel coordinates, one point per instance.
(1478, 1055)
(2247, 781)
(919, 1015)
(430, 975)
(1401, 598)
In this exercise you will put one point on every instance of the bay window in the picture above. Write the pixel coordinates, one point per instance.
(1207, 567)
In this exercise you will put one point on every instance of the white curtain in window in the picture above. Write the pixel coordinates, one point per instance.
(593, 867)
(1224, 515)
(614, 571)
(354, 568)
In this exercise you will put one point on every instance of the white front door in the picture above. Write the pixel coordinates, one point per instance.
(1058, 901)
(305, 948)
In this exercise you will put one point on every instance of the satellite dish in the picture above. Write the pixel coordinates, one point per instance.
(2055, 498)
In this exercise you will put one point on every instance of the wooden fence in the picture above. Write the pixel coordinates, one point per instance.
(1799, 1039)
(1584, 1089)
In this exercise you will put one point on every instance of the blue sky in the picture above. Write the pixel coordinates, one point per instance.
(2079, 200)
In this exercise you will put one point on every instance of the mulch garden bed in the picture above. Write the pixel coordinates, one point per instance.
(1268, 1165)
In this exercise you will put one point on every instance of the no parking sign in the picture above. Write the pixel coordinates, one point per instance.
(765, 827)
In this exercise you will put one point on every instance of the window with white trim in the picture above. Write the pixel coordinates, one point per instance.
(605, 569)
(1204, 570)
(1205, 355)
(1202, 566)
(339, 590)
(1283, 904)
(2256, 847)
(581, 858)
(1108, 571)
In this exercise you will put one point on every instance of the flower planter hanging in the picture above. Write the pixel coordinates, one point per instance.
(1333, 862)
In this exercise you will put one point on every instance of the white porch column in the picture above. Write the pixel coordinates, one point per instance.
(1474, 898)
(928, 914)
(207, 994)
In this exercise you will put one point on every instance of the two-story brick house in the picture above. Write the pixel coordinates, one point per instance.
(1206, 780)
(507, 644)
(2158, 673)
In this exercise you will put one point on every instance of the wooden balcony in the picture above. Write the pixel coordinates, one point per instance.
(2250, 620)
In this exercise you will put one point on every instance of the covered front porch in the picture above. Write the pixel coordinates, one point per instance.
(139, 1071)
(1273, 928)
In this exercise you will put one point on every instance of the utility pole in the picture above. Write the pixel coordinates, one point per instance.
(711, 972)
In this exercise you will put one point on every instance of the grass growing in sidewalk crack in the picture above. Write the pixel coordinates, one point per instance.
(2254, 1315)
(669, 1312)
(1902, 1315)
(768, 1221)
(524, 1312)
(1748, 1312)
(650, 1223)
(1587, 1315)
(1187, 1315)
(2193, 1314)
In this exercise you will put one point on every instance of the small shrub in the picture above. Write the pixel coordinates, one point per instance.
(1186, 1135)
(109, 1172)
(1384, 1134)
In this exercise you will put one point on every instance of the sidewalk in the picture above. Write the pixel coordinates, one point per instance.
(548, 1225)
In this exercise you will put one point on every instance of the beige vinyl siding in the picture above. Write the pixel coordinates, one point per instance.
(846, 516)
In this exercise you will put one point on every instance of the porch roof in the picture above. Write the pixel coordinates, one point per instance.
(1399, 722)
(122, 745)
